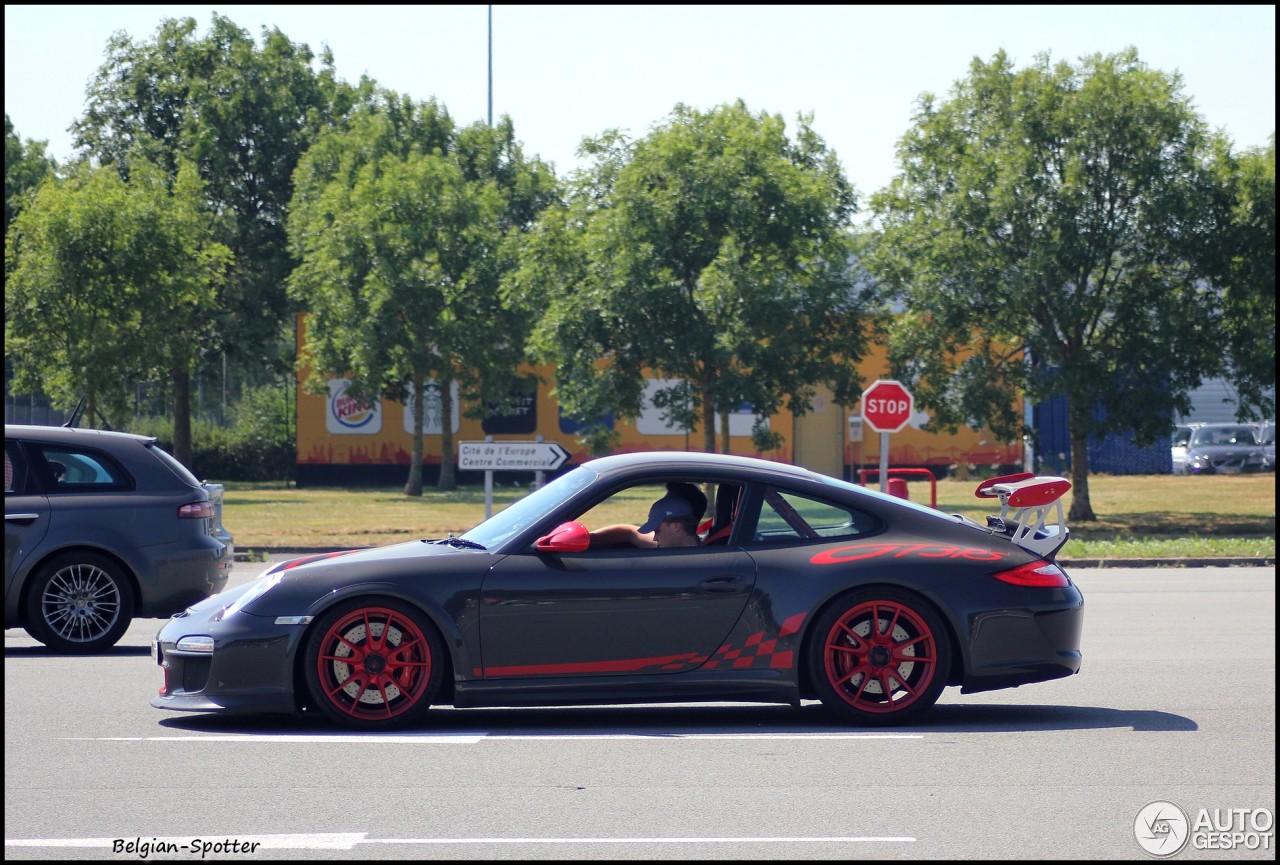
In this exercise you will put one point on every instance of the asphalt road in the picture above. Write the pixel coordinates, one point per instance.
(1175, 703)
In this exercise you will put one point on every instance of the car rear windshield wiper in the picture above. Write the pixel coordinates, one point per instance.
(461, 543)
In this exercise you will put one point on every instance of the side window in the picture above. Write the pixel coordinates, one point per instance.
(630, 506)
(82, 470)
(15, 469)
(788, 517)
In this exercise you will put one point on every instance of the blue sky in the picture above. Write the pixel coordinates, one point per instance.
(563, 72)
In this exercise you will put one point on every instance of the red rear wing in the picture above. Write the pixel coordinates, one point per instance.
(1031, 499)
(984, 490)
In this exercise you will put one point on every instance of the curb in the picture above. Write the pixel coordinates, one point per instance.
(1209, 562)
(250, 554)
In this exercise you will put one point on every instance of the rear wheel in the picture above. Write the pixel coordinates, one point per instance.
(373, 664)
(879, 656)
(79, 603)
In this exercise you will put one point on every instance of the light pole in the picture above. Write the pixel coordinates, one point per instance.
(490, 65)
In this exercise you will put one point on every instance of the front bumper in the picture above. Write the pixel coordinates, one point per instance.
(249, 670)
(1225, 465)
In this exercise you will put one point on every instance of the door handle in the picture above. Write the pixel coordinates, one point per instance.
(722, 585)
(20, 518)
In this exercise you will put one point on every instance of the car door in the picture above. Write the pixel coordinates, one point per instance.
(26, 513)
(610, 612)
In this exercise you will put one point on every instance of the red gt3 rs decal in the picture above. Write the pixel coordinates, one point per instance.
(858, 552)
(627, 665)
(757, 651)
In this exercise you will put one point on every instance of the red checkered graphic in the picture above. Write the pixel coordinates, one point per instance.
(757, 651)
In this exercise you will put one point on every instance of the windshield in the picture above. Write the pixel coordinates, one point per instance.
(519, 515)
(1224, 435)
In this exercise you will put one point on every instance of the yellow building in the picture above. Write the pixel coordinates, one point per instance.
(342, 441)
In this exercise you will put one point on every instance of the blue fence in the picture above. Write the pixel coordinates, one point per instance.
(1113, 454)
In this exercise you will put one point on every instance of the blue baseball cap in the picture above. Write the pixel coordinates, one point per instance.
(669, 507)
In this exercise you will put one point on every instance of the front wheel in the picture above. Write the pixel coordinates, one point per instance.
(80, 603)
(879, 656)
(373, 664)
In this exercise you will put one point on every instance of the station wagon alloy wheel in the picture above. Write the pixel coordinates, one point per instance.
(80, 604)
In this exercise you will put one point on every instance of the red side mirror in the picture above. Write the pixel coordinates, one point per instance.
(567, 537)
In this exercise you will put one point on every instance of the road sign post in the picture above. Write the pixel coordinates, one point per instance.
(490, 456)
(886, 407)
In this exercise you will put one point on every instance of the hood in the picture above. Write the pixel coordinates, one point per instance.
(299, 586)
(428, 547)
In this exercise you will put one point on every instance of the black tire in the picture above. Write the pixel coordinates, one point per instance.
(79, 603)
(891, 676)
(395, 669)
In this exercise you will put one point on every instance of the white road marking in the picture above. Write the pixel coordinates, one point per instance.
(473, 738)
(834, 839)
(348, 841)
(290, 738)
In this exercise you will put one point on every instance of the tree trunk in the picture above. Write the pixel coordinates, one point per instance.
(448, 477)
(708, 422)
(413, 486)
(182, 415)
(724, 431)
(91, 402)
(1081, 510)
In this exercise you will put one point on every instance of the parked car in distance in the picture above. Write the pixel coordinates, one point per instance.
(1224, 448)
(798, 585)
(1178, 447)
(217, 492)
(1267, 435)
(100, 527)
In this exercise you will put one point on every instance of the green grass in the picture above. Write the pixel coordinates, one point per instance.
(1139, 516)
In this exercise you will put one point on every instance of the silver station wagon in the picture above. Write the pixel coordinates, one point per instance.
(100, 527)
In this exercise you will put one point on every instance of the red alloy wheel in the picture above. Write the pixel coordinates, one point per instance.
(373, 664)
(882, 658)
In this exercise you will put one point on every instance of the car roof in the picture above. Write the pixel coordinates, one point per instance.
(1233, 424)
(72, 434)
(686, 460)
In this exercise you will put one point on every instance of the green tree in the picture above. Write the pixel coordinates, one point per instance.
(1240, 257)
(109, 279)
(716, 252)
(25, 165)
(244, 113)
(1040, 233)
(403, 226)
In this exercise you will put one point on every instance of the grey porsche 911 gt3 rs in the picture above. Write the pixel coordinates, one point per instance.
(799, 586)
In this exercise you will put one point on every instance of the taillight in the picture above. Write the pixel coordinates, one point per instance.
(1039, 575)
(196, 511)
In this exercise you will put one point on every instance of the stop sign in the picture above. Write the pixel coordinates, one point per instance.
(886, 406)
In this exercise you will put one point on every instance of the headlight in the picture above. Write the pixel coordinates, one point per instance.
(255, 591)
(200, 643)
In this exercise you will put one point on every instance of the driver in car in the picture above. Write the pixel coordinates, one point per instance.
(673, 521)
